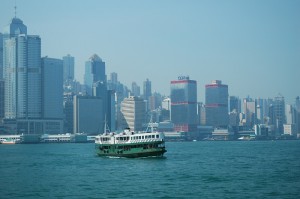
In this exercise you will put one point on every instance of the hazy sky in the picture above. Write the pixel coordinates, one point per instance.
(251, 45)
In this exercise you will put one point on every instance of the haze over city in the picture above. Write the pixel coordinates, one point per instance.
(252, 46)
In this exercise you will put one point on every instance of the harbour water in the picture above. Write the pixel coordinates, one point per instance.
(220, 169)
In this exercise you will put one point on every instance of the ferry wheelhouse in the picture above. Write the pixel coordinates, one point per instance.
(130, 144)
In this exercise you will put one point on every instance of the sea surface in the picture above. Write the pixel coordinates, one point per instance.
(212, 169)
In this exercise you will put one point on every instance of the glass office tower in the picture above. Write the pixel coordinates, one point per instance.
(184, 104)
(68, 68)
(216, 104)
(94, 72)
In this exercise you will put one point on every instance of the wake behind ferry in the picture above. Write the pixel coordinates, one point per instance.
(130, 144)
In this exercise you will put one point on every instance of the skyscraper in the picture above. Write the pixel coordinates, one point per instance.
(216, 104)
(184, 104)
(250, 107)
(68, 68)
(87, 115)
(1, 99)
(1, 56)
(234, 103)
(100, 91)
(290, 114)
(297, 107)
(22, 72)
(133, 113)
(147, 89)
(94, 72)
(52, 92)
(278, 116)
(114, 78)
(135, 89)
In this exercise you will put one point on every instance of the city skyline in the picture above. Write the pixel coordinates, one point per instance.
(252, 46)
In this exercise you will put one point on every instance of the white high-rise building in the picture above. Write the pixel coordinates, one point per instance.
(133, 113)
(22, 72)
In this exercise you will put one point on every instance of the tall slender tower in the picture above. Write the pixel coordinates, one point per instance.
(184, 104)
(22, 72)
(147, 89)
(1, 56)
(216, 104)
(68, 68)
(278, 114)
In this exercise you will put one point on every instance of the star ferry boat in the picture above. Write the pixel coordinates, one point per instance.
(130, 144)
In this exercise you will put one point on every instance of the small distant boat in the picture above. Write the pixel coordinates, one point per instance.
(10, 141)
(130, 144)
(244, 138)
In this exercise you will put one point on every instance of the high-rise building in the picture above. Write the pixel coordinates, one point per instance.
(87, 115)
(112, 83)
(166, 104)
(216, 104)
(1, 56)
(184, 104)
(278, 116)
(234, 104)
(68, 68)
(133, 113)
(135, 89)
(22, 72)
(100, 91)
(68, 112)
(147, 89)
(201, 114)
(290, 114)
(250, 108)
(111, 110)
(1, 99)
(52, 92)
(297, 107)
(94, 72)
(165, 109)
(114, 78)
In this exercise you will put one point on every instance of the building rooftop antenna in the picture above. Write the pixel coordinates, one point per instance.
(15, 9)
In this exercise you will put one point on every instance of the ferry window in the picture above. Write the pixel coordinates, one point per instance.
(142, 137)
(153, 136)
(139, 137)
(157, 136)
